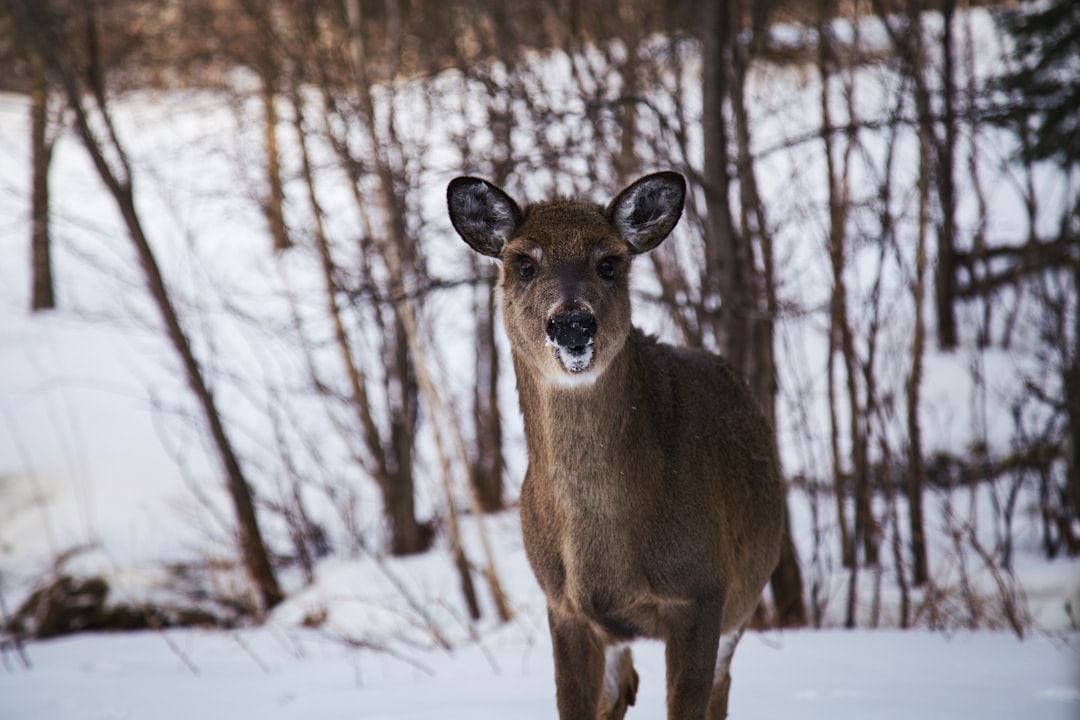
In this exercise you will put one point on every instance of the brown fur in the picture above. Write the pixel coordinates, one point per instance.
(651, 505)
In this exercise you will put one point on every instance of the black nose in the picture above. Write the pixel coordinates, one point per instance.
(573, 330)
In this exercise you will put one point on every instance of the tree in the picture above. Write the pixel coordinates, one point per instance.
(1041, 94)
(265, 44)
(748, 307)
(1042, 88)
(43, 296)
(50, 32)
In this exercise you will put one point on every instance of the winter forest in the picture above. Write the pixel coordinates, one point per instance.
(257, 405)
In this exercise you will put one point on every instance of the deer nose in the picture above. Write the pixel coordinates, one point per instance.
(575, 329)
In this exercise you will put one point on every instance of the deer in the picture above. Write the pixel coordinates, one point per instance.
(651, 505)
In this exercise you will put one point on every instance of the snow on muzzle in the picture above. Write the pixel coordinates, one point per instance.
(571, 336)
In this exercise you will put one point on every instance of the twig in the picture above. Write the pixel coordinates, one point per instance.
(250, 653)
(10, 638)
(380, 647)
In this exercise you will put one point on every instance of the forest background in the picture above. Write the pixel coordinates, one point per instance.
(881, 234)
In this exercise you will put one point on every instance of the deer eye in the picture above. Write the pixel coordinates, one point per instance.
(606, 268)
(526, 267)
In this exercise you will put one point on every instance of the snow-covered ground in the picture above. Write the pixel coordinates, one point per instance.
(287, 673)
(100, 461)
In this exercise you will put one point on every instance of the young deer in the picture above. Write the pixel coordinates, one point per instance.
(651, 505)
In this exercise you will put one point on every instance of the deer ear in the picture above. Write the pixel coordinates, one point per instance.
(648, 210)
(483, 215)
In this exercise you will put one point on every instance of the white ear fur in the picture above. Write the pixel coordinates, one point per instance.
(648, 210)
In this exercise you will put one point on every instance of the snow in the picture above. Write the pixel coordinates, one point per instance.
(279, 672)
(100, 458)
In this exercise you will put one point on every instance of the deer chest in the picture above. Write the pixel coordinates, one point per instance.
(587, 552)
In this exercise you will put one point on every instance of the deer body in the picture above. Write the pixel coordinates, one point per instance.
(651, 506)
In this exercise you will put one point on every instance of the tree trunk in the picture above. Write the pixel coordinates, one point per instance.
(376, 462)
(725, 273)
(838, 293)
(111, 161)
(744, 334)
(786, 582)
(915, 470)
(488, 467)
(268, 65)
(42, 292)
(275, 202)
(1072, 387)
(269, 69)
(946, 265)
(256, 559)
(842, 336)
(407, 535)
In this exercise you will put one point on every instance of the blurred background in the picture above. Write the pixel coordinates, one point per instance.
(243, 352)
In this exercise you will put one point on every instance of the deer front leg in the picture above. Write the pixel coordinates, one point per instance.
(579, 667)
(692, 637)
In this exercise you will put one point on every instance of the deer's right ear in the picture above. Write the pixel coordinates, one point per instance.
(483, 215)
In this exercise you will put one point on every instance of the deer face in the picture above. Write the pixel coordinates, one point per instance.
(565, 267)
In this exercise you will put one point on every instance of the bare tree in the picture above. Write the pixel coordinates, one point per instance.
(43, 295)
(840, 334)
(641, 86)
(50, 32)
(267, 61)
(945, 285)
(747, 302)
(907, 36)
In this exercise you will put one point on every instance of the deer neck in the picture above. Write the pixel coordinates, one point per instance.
(584, 431)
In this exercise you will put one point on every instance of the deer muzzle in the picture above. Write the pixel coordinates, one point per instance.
(572, 331)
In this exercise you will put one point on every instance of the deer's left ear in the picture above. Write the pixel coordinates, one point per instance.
(648, 210)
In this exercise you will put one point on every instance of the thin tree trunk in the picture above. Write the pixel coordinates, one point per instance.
(725, 271)
(111, 161)
(1072, 386)
(442, 420)
(390, 450)
(267, 63)
(850, 613)
(838, 296)
(946, 265)
(275, 202)
(840, 484)
(256, 558)
(842, 335)
(916, 471)
(375, 461)
(751, 333)
(626, 161)
(42, 291)
(865, 525)
(786, 580)
(489, 464)
(488, 468)
(895, 545)
(406, 534)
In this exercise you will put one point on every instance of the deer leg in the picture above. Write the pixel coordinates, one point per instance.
(579, 667)
(691, 647)
(718, 698)
(620, 682)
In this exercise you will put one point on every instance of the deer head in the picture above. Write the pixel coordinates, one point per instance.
(565, 267)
